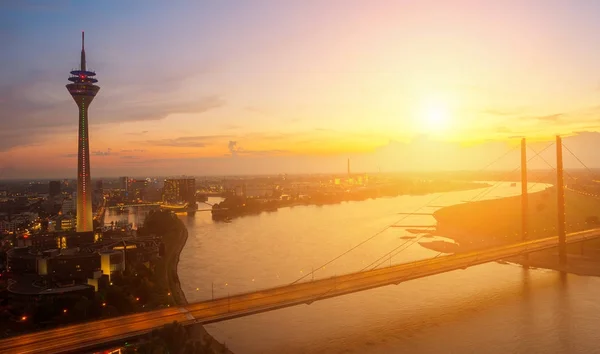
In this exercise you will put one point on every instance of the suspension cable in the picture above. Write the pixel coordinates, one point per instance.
(390, 254)
(385, 257)
(481, 194)
(391, 225)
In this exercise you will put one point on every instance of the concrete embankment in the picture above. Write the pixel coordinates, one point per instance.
(491, 223)
(173, 247)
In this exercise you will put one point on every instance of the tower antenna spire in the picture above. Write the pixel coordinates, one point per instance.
(83, 51)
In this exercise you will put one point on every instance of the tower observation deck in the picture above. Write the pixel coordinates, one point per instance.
(83, 91)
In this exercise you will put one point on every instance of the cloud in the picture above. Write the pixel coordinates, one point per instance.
(69, 155)
(9, 140)
(132, 150)
(231, 127)
(108, 152)
(503, 130)
(267, 152)
(138, 133)
(504, 112)
(550, 118)
(188, 141)
(255, 109)
(129, 157)
(29, 5)
(37, 108)
(156, 110)
(235, 150)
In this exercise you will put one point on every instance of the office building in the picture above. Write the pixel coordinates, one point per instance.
(179, 190)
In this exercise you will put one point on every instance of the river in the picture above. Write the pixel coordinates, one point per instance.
(490, 308)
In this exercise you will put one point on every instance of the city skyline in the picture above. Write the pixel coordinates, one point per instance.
(289, 88)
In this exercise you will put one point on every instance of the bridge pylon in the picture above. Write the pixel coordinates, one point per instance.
(524, 195)
(560, 200)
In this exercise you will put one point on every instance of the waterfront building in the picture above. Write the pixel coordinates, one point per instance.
(179, 190)
(137, 190)
(83, 91)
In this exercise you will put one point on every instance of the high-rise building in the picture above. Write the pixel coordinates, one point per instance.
(124, 183)
(98, 193)
(83, 91)
(180, 190)
(99, 186)
(137, 189)
(54, 188)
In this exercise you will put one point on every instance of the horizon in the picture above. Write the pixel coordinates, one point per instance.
(370, 173)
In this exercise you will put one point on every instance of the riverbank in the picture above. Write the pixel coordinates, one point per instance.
(174, 243)
(491, 223)
(237, 206)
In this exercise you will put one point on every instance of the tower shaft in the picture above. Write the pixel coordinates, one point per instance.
(84, 184)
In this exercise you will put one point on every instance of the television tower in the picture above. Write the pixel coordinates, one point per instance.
(348, 168)
(83, 91)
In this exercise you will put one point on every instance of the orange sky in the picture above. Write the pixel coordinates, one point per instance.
(195, 88)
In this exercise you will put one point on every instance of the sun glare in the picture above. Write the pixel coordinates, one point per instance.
(434, 116)
(437, 115)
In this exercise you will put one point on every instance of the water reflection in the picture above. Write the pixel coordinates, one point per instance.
(563, 318)
(490, 308)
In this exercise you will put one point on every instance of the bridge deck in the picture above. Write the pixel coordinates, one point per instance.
(86, 335)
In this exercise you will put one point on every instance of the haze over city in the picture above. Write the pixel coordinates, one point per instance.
(234, 87)
(276, 176)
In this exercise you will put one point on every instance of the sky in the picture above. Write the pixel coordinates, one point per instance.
(269, 86)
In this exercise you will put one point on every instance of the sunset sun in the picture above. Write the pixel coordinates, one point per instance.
(434, 115)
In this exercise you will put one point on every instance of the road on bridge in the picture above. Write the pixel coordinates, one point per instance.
(93, 334)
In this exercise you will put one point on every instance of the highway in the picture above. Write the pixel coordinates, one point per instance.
(87, 335)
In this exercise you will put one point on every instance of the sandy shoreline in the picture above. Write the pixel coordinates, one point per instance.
(485, 224)
(196, 330)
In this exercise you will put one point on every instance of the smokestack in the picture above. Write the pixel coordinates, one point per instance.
(348, 167)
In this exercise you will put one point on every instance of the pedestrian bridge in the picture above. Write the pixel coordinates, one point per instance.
(118, 330)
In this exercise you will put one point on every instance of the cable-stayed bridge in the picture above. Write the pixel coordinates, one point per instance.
(303, 291)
